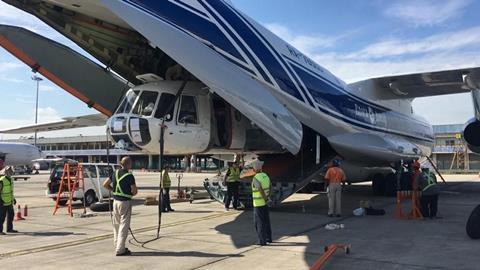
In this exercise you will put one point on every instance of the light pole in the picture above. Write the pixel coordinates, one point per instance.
(37, 79)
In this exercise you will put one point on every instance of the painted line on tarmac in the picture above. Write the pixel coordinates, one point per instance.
(106, 236)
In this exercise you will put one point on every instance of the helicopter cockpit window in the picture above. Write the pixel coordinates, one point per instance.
(188, 111)
(146, 103)
(165, 104)
(128, 101)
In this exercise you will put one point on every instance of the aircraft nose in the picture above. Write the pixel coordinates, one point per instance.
(129, 133)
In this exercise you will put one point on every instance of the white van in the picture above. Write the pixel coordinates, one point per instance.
(94, 175)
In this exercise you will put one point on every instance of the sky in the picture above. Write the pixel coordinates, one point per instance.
(354, 39)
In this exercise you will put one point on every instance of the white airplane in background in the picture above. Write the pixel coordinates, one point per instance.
(16, 154)
(224, 84)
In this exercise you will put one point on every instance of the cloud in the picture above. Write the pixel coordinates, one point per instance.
(48, 114)
(47, 88)
(442, 51)
(9, 66)
(305, 43)
(427, 12)
(352, 70)
(439, 42)
(391, 57)
(14, 16)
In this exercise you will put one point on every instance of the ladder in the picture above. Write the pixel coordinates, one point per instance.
(72, 177)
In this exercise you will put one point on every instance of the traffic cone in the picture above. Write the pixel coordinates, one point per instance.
(25, 211)
(19, 214)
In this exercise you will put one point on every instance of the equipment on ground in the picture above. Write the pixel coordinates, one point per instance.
(329, 251)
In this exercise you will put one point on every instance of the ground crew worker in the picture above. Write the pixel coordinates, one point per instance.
(261, 190)
(122, 183)
(166, 184)
(231, 179)
(334, 178)
(7, 200)
(430, 190)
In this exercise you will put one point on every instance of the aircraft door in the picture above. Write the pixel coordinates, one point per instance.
(188, 123)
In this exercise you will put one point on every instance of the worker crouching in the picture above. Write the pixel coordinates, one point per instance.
(123, 185)
(261, 190)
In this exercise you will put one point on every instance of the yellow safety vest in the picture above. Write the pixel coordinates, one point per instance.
(7, 190)
(234, 175)
(264, 180)
(118, 189)
(166, 180)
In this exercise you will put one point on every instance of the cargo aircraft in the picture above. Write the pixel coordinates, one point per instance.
(221, 83)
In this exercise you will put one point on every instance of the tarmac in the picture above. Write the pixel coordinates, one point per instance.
(202, 235)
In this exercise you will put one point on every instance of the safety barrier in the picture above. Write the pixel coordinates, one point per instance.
(408, 195)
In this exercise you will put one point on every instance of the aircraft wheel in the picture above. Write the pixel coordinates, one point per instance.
(390, 185)
(378, 185)
(473, 224)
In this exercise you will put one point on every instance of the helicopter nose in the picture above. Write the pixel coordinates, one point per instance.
(130, 133)
(139, 131)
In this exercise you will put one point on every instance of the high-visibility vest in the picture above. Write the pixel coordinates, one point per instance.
(118, 189)
(7, 191)
(430, 182)
(234, 175)
(166, 180)
(264, 181)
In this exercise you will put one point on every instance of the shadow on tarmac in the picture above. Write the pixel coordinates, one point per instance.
(312, 213)
(182, 254)
(42, 234)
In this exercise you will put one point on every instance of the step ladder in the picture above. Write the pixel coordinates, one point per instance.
(72, 178)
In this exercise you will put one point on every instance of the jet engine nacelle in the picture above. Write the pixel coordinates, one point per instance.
(471, 135)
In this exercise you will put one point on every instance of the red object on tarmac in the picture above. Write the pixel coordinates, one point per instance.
(329, 251)
(25, 211)
(19, 214)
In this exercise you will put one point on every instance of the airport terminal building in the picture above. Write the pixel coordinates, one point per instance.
(450, 152)
(94, 149)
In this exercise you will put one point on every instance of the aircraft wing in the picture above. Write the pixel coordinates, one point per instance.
(245, 93)
(81, 77)
(66, 123)
(423, 84)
